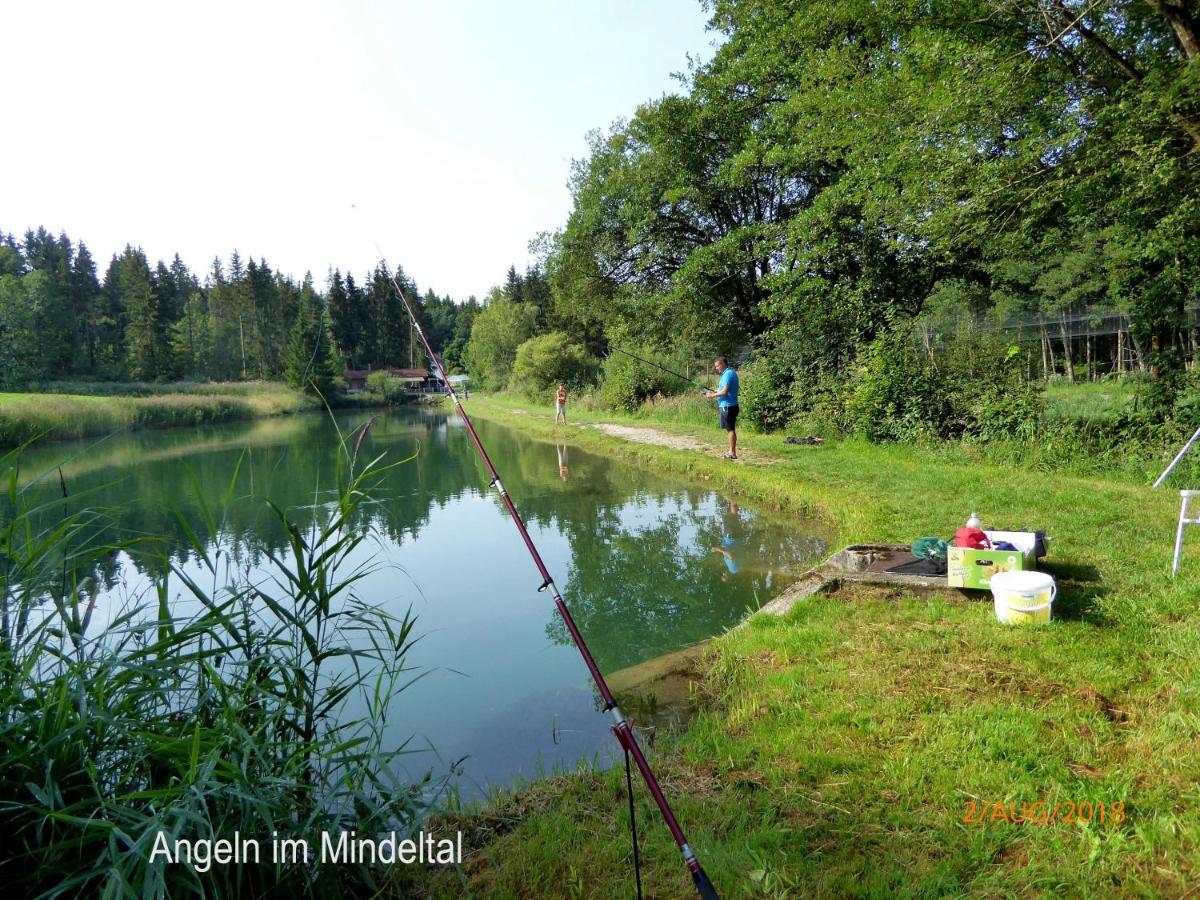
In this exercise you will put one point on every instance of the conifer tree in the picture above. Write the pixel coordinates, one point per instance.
(342, 320)
(146, 339)
(191, 337)
(84, 301)
(310, 360)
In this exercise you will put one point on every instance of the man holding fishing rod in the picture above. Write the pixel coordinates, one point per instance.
(726, 396)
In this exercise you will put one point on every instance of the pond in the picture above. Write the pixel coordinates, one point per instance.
(647, 564)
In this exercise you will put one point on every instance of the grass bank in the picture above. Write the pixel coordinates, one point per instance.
(101, 410)
(849, 747)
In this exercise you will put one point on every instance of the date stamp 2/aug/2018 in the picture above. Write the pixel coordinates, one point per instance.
(1042, 813)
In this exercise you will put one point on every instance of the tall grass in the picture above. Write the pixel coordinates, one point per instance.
(690, 408)
(229, 719)
(24, 417)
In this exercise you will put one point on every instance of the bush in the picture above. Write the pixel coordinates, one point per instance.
(628, 383)
(765, 394)
(499, 329)
(991, 397)
(387, 387)
(897, 394)
(548, 360)
(972, 389)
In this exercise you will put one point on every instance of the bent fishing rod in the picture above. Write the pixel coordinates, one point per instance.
(621, 728)
(663, 368)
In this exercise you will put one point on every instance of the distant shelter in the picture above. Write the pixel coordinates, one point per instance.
(417, 381)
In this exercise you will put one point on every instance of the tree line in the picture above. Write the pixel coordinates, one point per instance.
(844, 185)
(59, 320)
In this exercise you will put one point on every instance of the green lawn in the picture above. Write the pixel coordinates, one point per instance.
(839, 746)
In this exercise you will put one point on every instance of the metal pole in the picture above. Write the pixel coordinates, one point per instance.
(621, 727)
(1178, 457)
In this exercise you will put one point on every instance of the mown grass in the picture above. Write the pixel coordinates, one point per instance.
(839, 745)
(61, 416)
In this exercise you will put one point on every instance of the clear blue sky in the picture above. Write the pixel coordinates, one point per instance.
(204, 128)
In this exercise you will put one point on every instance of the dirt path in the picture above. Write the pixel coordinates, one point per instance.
(653, 436)
(642, 435)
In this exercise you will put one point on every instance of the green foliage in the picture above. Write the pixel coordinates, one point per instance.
(765, 394)
(310, 361)
(498, 330)
(387, 388)
(124, 723)
(897, 395)
(544, 362)
(627, 382)
(20, 360)
(146, 335)
(57, 320)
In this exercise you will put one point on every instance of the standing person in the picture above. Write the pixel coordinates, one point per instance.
(560, 404)
(726, 396)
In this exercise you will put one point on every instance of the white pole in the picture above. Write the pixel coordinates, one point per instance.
(1178, 457)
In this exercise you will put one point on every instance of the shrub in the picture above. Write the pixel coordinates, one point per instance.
(765, 394)
(548, 360)
(386, 387)
(974, 388)
(991, 397)
(897, 395)
(628, 383)
(500, 328)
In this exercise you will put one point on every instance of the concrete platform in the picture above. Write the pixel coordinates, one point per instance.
(658, 689)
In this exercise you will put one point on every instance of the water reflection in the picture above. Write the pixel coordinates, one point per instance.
(506, 689)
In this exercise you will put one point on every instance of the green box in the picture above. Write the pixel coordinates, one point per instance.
(967, 568)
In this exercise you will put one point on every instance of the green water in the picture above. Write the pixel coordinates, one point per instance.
(637, 557)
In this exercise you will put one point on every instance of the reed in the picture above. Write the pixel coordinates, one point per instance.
(226, 720)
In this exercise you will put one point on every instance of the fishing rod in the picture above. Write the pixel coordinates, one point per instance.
(702, 387)
(621, 728)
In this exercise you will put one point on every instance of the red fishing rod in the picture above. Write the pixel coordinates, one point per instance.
(621, 729)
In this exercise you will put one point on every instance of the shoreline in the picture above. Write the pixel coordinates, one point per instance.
(837, 743)
(52, 417)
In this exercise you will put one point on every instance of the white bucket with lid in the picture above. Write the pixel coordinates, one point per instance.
(1023, 596)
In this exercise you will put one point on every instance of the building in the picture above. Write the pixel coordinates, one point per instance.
(420, 381)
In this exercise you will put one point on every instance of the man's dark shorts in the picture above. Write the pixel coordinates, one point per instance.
(728, 417)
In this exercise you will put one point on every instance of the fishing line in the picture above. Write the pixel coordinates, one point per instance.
(637, 860)
(702, 387)
(621, 728)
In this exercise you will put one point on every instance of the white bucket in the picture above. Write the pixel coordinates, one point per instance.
(1023, 596)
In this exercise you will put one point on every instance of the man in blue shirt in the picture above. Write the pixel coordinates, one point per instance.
(726, 396)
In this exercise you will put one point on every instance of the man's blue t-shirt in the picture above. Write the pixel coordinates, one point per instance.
(729, 379)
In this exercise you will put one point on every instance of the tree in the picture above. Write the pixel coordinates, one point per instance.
(20, 360)
(84, 301)
(310, 361)
(191, 340)
(499, 329)
(147, 345)
(343, 319)
(547, 360)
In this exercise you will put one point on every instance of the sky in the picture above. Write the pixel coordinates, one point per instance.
(318, 134)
